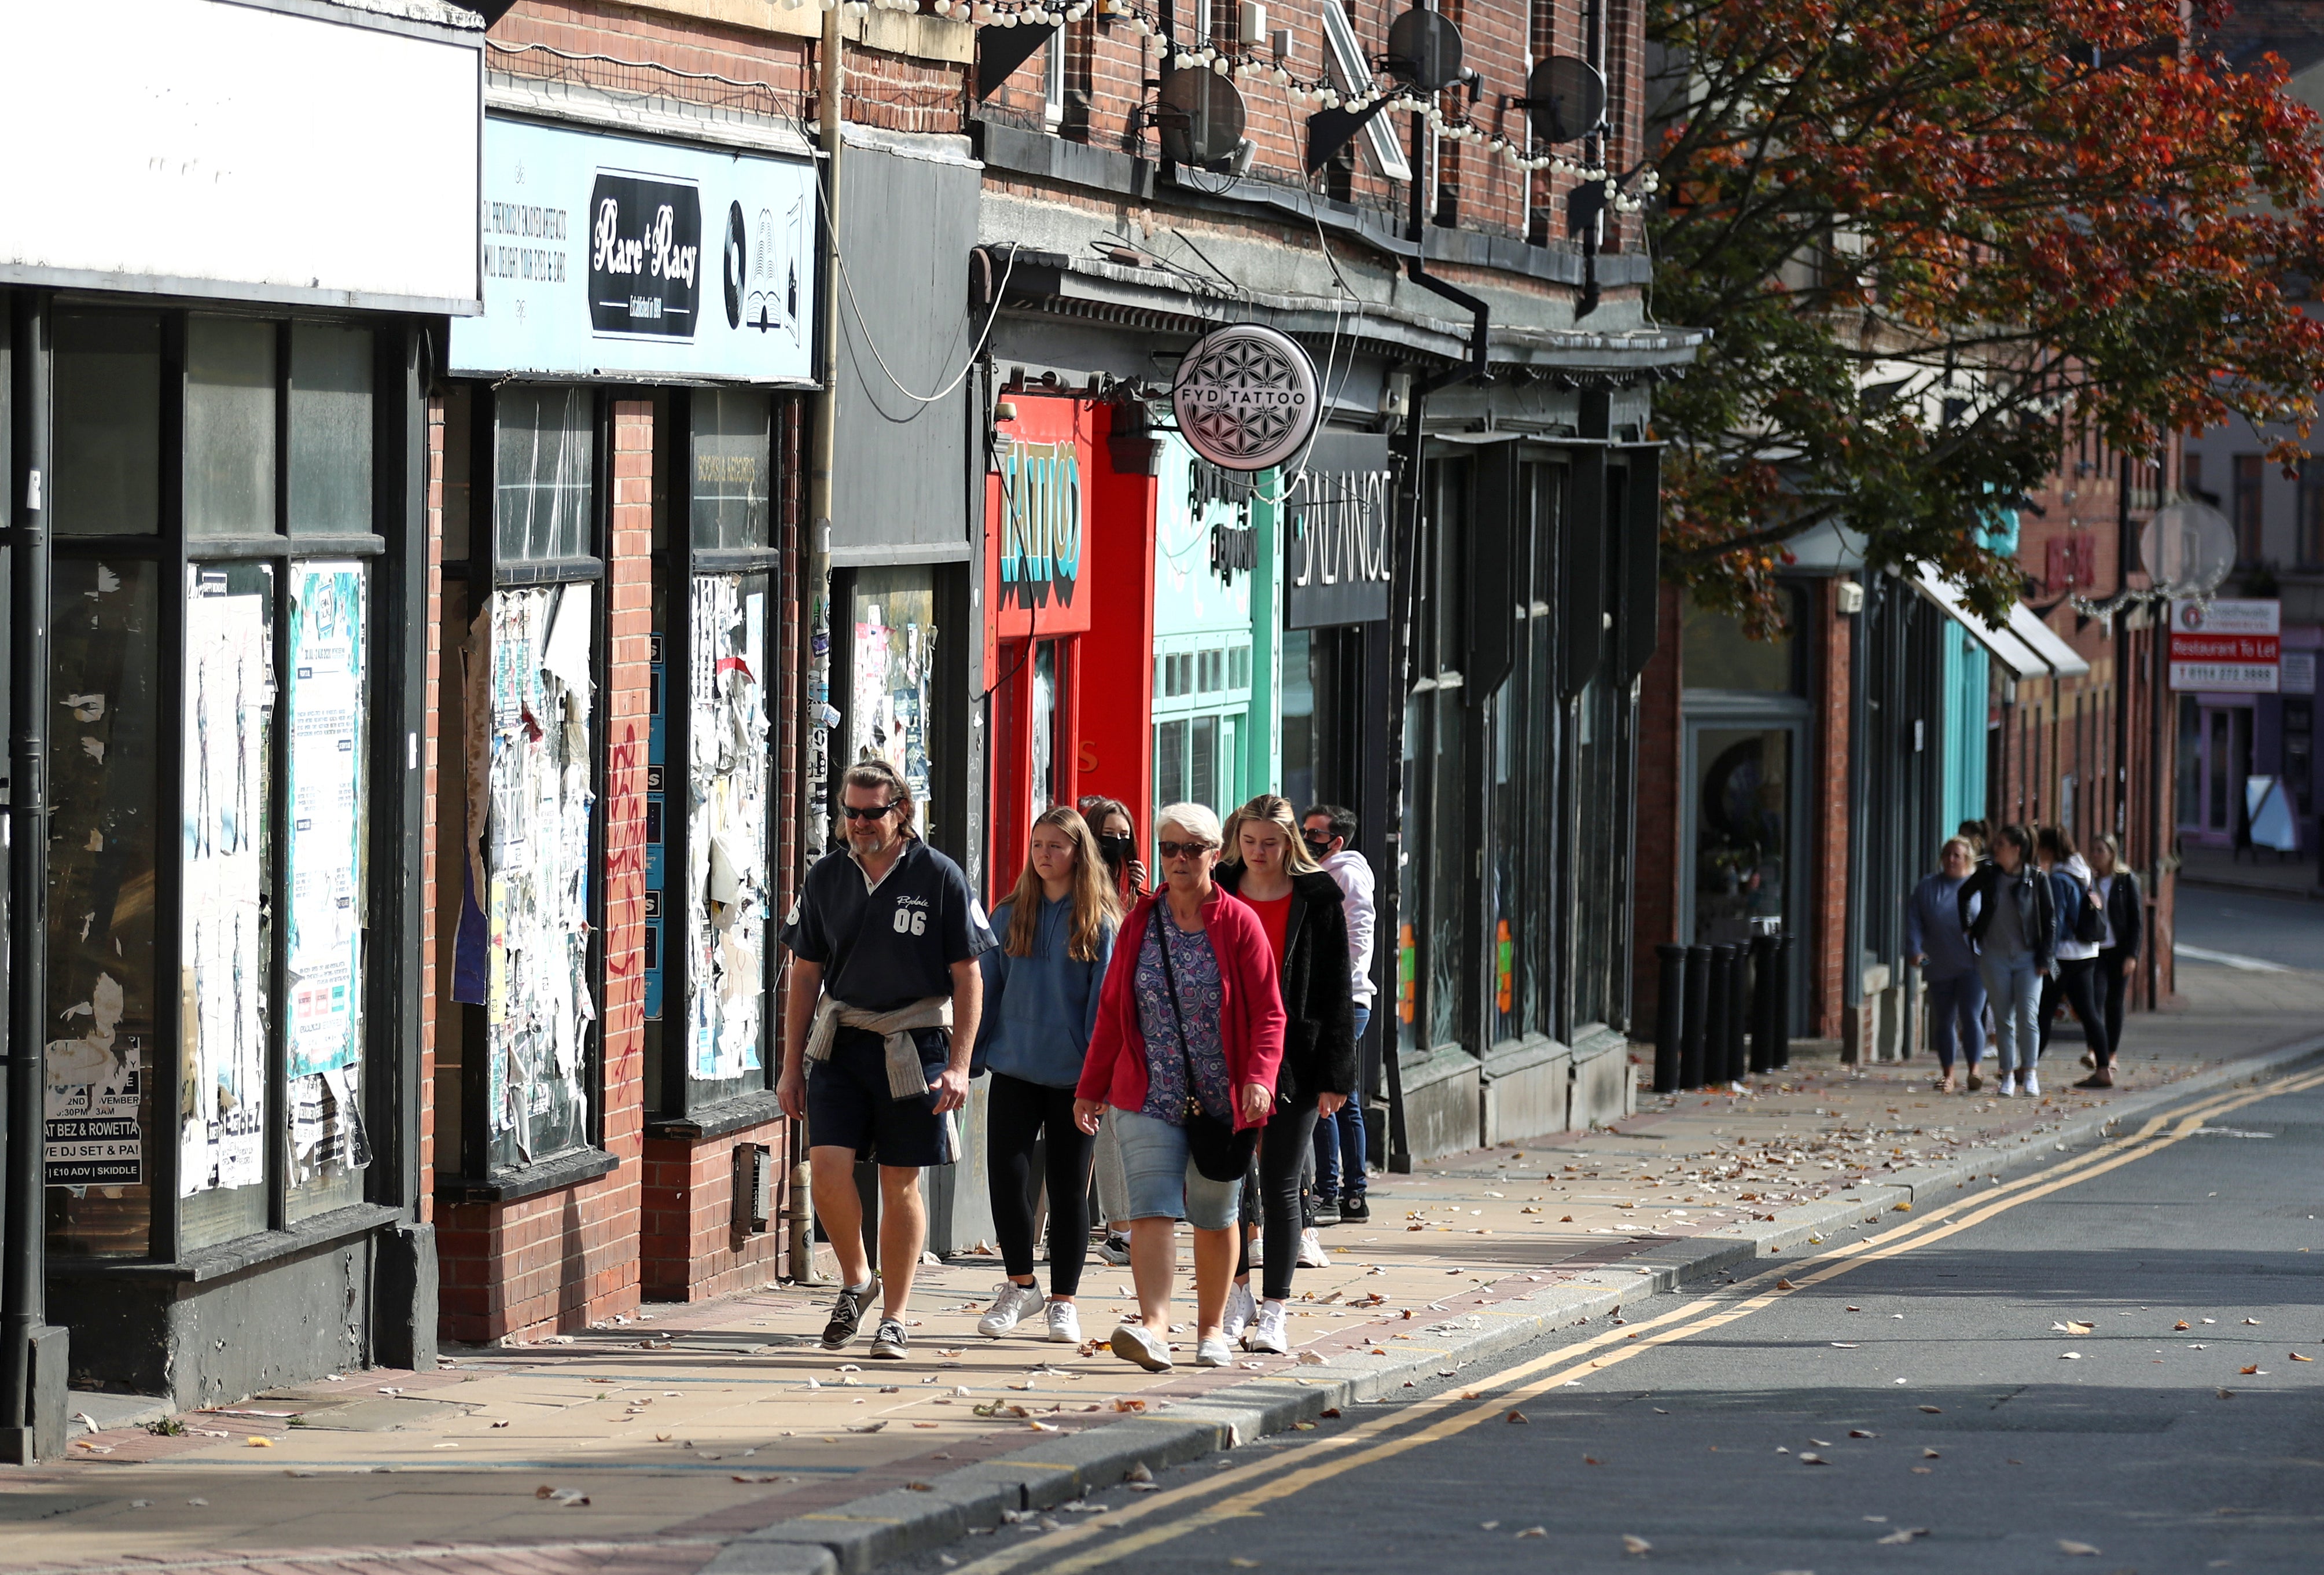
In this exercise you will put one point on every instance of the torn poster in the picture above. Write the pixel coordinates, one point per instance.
(229, 706)
(93, 1133)
(726, 842)
(537, 849)
(327, 826)
(327, 1130)
(894, 662)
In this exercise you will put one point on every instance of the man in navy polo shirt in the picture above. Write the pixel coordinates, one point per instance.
(880, 1022)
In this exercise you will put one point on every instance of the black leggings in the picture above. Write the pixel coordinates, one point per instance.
(1018, 1114)
(2109, 987)
(2075, 979)
(1286, 1145)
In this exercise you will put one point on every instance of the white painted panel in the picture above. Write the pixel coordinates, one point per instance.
(234, 150)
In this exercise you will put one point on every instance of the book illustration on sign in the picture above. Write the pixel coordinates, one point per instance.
(762, 280)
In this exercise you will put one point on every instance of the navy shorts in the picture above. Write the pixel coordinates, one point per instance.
(848, 1105)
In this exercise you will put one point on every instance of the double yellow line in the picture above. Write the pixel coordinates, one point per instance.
(1249, 1488)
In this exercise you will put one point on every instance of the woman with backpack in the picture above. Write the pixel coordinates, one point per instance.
(2082, 931)
(1040, 1008)
(2009, 911)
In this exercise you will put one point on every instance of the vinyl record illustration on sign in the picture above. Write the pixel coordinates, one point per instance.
(1201, 117)
(1246, 397)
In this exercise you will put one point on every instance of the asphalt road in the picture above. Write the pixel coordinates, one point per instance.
(2283, 931)
(1956, 1428)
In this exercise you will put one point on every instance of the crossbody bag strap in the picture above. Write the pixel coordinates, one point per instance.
(1170, 981)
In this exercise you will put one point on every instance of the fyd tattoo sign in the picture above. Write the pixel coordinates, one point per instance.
(1246, 397)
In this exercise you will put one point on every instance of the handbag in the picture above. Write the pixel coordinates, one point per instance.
(1219, 1151)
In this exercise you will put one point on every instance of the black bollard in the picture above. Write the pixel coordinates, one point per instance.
(1722, 1002)
(1691, 1019)
(1782, 1003)
(1739, 1016)
(1670, 1011)
(1762, 1003)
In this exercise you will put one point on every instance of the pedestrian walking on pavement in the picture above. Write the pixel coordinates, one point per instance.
(1301, 908)
(1117, 836)
(1040, 1007)
(1183, 1064)
(2125, 906)
(2082, 927)
(1941, 949)
(878, 1027)
(1340, 1147)
(2007, 911)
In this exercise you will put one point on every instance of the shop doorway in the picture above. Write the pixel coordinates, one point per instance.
(2215, 756)
(1742, 834)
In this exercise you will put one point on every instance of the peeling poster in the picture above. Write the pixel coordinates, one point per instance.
(326, 720)
(726, 844)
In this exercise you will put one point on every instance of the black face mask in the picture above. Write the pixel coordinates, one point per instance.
(1322, 850)
(1118, 850)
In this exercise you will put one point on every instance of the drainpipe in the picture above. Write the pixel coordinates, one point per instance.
(23, 1303)
(1593, 157)
(815, 596)
(1477, 368)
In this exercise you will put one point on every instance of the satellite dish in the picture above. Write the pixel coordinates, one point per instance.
(1201, 117)
(1425, 49)
(1566, 100)
(2187, 548)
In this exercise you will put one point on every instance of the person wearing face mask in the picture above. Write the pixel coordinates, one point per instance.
(2009, 913)
(1340, 1148)
(1117, 840)
(1300, 908)
(1040, 1008)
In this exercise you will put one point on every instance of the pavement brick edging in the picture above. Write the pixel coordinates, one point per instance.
(855, 1537)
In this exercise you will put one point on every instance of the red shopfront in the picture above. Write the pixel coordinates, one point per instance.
(1069, 612)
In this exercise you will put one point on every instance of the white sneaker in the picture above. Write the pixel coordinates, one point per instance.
(1269, 1334)
(1240, 1311)
(1213, 1351)
(2004, 1087)
(1011, 1304)
(1064, 1324)
(1134, 1342)
(1311, 1251)
(2030, 1085)
(1114, 1250)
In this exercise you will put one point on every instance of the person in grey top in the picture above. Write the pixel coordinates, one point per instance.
(1941, 949)
(2009, 914)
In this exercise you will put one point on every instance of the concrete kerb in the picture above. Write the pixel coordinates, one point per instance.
(857, 1537)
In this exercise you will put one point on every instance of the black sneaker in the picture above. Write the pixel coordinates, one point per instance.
(1354, 1210)
(1326, 1212)
(847, 1315)
(891, 1344)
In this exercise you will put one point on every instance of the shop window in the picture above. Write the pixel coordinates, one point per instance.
(108, 423)
(331, 372)
(206, 1080)
(1300, 749)
(2250, 509)
(730, 479)
(1213, 665)
(1525, 723)
(544, 473)
(1715, 652)
(229, 427)
(893, 668)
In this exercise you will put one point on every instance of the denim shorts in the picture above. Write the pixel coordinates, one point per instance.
(1164, 1183)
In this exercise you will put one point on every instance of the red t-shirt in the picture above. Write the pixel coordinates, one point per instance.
(1274, 918)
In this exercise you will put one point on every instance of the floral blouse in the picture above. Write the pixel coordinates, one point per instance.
(1201, 1000)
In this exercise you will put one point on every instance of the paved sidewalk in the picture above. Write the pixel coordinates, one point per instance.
(653, 1445)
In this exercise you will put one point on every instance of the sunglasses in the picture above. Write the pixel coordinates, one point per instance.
(1182, 849)
(859, 812)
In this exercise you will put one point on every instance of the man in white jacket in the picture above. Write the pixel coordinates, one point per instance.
(1340, 1141)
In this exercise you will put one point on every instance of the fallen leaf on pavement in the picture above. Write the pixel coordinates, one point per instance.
(2066, 1546)
(1310, 1359)
(1810, 1458)
(1534, 1531)
(1590, 1460)
(2253, 1321)
(2070, 1356)
(2298, 1358)
(2247, 1372)
(2073, 1326)
(1128, 1403)
(767, 1478)
(257, 1442)
(2180, 1324)
(1631, 1544)
(1515, 1416)
(1244, 1563)
(867, 1426)
(1785, 1286)
(1934, 1410)
(1857, 1432)
(1930, 1455)
(1140, 1472)
(1897, 1538)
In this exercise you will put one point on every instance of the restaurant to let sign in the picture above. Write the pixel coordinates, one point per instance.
(2230, 648)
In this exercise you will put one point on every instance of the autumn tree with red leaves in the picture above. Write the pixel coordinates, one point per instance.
(1924, 233)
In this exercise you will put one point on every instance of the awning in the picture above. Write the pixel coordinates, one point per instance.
(2011, 652)
(2062, 658)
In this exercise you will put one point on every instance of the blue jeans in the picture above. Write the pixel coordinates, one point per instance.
(1957, 1009)
(1339, 1140)
(2014, 985)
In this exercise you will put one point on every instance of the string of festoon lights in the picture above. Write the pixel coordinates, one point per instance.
(1247, 65)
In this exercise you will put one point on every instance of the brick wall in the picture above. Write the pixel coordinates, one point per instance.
(1827, 944)
(690, 1248)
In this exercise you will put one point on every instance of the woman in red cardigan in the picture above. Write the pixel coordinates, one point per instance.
(1202, 1026)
